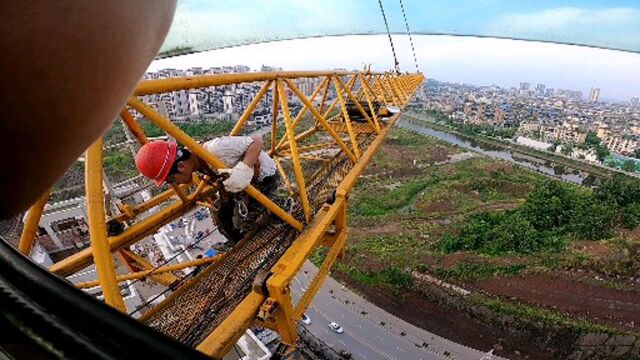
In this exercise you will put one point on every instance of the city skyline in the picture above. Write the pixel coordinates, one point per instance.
(472, 60)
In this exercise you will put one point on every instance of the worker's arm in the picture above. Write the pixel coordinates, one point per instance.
(253, 151)
(242, 173)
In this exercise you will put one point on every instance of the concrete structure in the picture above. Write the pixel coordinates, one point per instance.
(533, 143)
(594, 95)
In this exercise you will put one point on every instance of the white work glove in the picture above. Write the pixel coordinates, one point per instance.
(393, 109)
(239, 177)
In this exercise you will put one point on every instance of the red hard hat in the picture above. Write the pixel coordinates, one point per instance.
(154, 160)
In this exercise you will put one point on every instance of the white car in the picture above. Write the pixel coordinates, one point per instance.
(305, 319)
(337, 328)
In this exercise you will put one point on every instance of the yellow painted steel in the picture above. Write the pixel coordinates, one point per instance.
(280, 291)
(284, 177)
(163, 270)
(357, 104)
(300, 137)
(337, 247)
(303, 111)
(232, 328)
(274, 120)
(31, 224)
(148, 87)
(133, 126)
(297, 169)
(199, 151)
(165, 279)
(367, 93)
(347, 121)
(98, 228)
(387, 89)
(321, 119)
(245, 116)
(132, 234)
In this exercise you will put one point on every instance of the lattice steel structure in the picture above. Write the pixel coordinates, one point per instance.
(320, 154)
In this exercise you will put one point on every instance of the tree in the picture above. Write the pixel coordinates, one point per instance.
(567, 149)
(636, 154)
(619, 190)
(629, 165)
(631, 215)
(593, 220)
(550, 205)
(592, 140)
(601, 152)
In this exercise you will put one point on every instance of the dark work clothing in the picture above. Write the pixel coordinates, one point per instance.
(233, 233)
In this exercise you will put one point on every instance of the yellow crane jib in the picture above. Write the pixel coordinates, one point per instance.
(320, 151)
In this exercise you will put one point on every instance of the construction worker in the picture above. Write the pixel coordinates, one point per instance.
(164, 162)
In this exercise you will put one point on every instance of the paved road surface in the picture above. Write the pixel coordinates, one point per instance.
(370, 332)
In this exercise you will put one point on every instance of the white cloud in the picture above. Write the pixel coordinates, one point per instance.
(202, 25)
(480, 61)
(572, 24)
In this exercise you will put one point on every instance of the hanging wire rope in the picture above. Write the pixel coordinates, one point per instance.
(386, 24)
(404, 15)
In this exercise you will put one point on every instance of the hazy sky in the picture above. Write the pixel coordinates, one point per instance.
(473, 60)
(206, 24)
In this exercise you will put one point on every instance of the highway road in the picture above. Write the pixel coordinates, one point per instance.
(370, 332)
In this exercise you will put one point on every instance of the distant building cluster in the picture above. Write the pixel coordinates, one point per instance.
(549, 115)
(219, 102)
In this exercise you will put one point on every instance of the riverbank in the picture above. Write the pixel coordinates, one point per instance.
(591, 168)
(419, 190)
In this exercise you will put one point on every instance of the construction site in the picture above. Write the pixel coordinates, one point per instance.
(385, 236)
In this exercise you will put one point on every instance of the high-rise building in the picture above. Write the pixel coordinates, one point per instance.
(524, 86)
(634, 101)
(594, 95)
(540, 89)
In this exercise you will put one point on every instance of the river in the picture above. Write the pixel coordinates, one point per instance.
(542, 166)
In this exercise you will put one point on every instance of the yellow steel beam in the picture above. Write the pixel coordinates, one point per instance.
(311, 147)
(140, 208)
(249, 110)
(147, 87)
(323, 271)
(274, 124)
(300, 137)
(321, 120)
(284, 176)
(357, 104)
(350, 85)
(224, 336)
(396, 92)
(164, 270)
(301, 113)
(133, 126)
(349, 181)
(211, 159)
(347, 121)
(222, 339)
(31, 224)
(280, 290)
(297, 167)
(367, 93)
(98, 228)
(324, 95)
(165, 279)
(137, 231)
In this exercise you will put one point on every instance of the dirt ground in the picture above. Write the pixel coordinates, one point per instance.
(449, 323)
(601, 305)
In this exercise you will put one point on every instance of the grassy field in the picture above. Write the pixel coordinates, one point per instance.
(418, 191)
